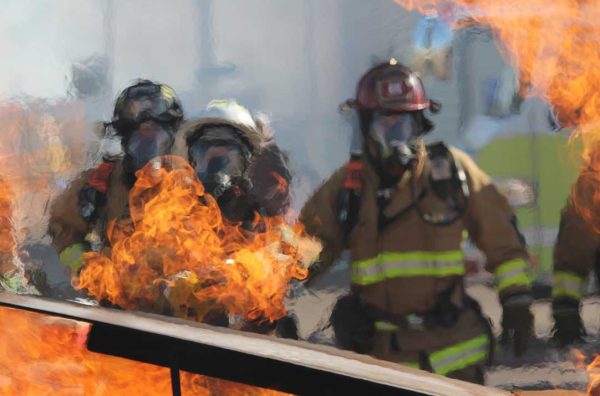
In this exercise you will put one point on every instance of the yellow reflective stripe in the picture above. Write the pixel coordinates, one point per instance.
(461, 355)
(384, 326)
(512, 273)
(451, 255)
(566, 284)
(407, 264)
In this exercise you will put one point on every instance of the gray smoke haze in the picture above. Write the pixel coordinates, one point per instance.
(64, 62)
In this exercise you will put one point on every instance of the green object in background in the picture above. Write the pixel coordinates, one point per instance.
(12, 282)
(549, 163)
(72, 257)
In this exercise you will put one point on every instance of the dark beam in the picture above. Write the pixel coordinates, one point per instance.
(258, 360)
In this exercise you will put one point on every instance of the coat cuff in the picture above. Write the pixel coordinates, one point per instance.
(512, 275)
(566, 285)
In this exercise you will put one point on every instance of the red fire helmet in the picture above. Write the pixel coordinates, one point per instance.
(391, 87)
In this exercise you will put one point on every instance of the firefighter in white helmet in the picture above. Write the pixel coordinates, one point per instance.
(235, 156)
(236, 159)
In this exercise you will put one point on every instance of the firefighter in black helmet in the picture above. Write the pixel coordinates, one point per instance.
(145, 120)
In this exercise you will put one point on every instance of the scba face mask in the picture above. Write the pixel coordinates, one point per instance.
(217, 165)
(148, 141)
(220, 159)
(394, 137)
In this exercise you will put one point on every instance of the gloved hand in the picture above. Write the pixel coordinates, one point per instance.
(568, 327)
(354, 328)
(517, 322)
(287, 327)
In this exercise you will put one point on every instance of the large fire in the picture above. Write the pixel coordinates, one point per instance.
(7, 238)
(43, 355)
(177, 254)
(554, 46)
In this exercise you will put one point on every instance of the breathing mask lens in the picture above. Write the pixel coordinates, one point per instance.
(149, 141)
(216, 165)
(389, 130)
(393, 136)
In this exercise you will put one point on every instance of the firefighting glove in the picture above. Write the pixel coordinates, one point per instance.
(568, 327)
(354, 329)
(287, 327)
(517, 322)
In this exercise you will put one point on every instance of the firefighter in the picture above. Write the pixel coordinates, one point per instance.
(145, 120)
(576, 255)
(401, 208)
(237, 160)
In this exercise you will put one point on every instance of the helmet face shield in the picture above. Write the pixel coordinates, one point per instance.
(137, 112)
(146, 102)
(150, 140)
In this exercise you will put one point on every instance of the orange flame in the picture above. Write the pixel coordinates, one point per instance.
(177, 254)
(7, 237)
(48, 356)
(593, 369)
(554, 45)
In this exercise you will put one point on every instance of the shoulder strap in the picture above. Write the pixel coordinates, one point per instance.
(100, 176)
(448, 182)
(348, 203)
(93, 193)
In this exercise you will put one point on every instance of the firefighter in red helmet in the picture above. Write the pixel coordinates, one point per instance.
(401, 208)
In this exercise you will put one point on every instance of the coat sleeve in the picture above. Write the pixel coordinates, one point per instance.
(491, 224)
(66, 226)
(575, 254)
(319, 217)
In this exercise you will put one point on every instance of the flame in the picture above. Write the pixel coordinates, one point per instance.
(176, 254)
(554, 45)
(48, 356)
(593, 369)
(7, 237)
